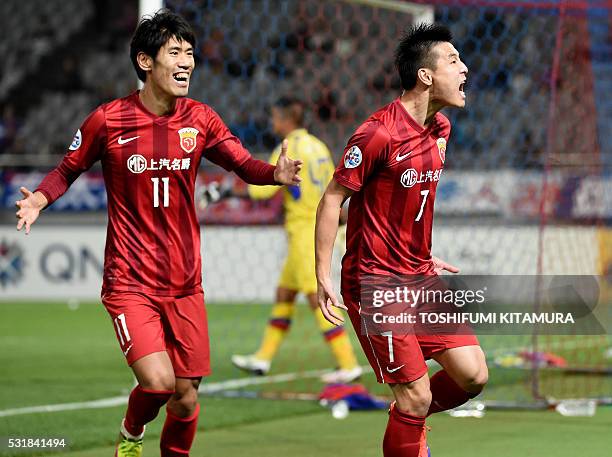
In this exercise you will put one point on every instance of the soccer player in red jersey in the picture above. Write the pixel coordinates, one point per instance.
(391, 167)
(150, 144)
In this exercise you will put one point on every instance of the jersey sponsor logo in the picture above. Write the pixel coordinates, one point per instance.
(138, 164)
(353, 157)
(127, 140)
(187, 137)
(441, 143)
(393, 370)
(76, 141)
(400, 157)
(11, 263)
(410, 177)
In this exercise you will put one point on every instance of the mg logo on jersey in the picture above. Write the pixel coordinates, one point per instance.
(188, 138)
(409, 177)
(137, 163)
(441, 142)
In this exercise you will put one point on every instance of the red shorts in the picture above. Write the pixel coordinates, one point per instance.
(401, 358)
(145, 324)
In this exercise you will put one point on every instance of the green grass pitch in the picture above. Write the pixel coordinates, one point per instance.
(53, 354)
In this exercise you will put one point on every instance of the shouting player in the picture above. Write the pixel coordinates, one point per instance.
(391, 168)
(150, 144)
(298, 273)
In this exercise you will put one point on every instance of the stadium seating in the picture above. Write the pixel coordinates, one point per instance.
(342, 69)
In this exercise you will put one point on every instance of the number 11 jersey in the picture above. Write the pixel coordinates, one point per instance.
(150, 166)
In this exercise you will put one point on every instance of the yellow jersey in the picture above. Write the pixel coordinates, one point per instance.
(301, 201)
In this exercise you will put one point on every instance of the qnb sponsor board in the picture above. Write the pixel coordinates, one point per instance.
(242, 264)
(53, 263)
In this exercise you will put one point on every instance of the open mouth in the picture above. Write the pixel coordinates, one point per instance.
(182, 78)
(462, 89)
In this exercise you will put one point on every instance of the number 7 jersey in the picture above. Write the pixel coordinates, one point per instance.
(393, 165)
(150, 165)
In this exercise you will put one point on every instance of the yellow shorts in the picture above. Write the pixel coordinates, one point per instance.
(299, 269)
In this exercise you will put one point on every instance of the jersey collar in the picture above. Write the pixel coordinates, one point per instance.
(412, 121)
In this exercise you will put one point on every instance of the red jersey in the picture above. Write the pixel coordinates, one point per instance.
(150, 164)
(393, 164)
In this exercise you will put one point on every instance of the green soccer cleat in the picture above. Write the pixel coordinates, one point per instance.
(128, 445)
(128, 448)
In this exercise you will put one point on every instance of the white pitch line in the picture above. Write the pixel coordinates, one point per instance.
(95, 404)
(243, 382)
(209, 388)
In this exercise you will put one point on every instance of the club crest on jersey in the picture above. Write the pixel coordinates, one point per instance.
(353, 157)
(76, 141)
(187, 137)
(441, 142)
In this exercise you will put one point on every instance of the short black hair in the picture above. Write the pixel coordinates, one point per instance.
(414, 51)
(292, 107)
(154, 31)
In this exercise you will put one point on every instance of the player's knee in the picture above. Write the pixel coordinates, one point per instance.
(476, 382)
(414, 399)
(159, 381)
(184, 402)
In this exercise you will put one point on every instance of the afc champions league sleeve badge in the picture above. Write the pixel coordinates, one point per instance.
(187, 138)
(353, 157)
(76, 141)
(441, 142)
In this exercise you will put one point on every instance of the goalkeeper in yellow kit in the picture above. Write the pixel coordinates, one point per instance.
(298, 273)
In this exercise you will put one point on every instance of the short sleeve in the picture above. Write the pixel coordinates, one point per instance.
(222, 147)
(366, 150)
(88, 144)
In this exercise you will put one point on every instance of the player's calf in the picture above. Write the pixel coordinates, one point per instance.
(181, 420)
(405, 435)
(464, 376)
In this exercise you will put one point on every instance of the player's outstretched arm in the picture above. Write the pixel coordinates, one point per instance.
(328, 216)
(85, 149)
(29, 208)
(286, 171)
(440, 265)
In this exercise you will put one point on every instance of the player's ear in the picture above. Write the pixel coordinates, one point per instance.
(425, 76)
(145, 62)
